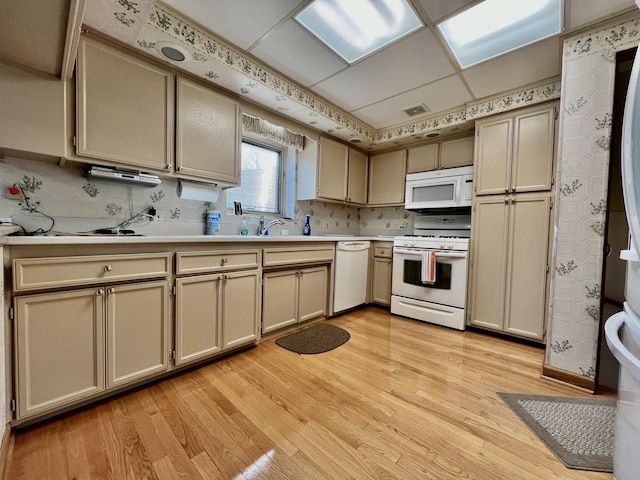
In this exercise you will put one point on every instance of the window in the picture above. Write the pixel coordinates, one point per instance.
(260, 191)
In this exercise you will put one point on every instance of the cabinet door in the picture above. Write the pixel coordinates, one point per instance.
(423, 158)
(387, 178)
(198, 310)
(493, 156)
(357, 178)
(488, 262)
(333, 170)
(137, 320)
(456, 153)
(312, 293)
(381, 285)
(240, 308)
(533, 150)
(526, 295)
(279, 300)
(60, 349)
(125, 108)
(207, 133)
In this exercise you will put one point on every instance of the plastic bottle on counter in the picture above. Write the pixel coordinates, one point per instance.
(244, 230)
(213, 222)
(306, 230)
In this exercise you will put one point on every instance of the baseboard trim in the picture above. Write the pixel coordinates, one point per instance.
(569, 378)
(5, 450)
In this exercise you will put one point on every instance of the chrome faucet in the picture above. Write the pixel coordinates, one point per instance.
(265, 230)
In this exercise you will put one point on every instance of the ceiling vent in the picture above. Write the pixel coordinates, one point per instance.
(417, 110)
(433, 135)
(356, 140)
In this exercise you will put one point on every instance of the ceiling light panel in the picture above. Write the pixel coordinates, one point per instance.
(356, 28)
(495, 27)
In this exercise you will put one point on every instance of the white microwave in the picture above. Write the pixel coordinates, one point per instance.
(451, 187)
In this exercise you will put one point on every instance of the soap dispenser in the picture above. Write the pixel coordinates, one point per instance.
(244, 230)
(306, 230)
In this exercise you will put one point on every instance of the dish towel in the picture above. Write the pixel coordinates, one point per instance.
(428, 274)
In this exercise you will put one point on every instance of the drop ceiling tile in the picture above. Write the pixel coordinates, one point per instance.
(512, 70)
(582, 12)
(441, 95)
(410, 63)
(240, 22)
(292, 51)
(437, 9)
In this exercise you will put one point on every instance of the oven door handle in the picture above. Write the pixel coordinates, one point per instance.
(403, 251)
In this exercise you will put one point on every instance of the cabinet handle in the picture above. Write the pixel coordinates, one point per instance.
(111, 290)
(506, 201)
(506, 189)
(108, 268)
(223, 261)
(179, 169)
(167, 166)
(100, 292)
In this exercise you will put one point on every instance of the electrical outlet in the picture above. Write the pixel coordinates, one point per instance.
(159, 215)
(403, 226)
(325, 224)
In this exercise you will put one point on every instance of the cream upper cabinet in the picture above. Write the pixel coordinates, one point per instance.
(125, 108)
(357, 177)
(423, 158)
(510, 246)
(333, 172)
(457, 153)
(446, 154)
(333, 169)
(387, 178)
(515, 152)
(208, 133)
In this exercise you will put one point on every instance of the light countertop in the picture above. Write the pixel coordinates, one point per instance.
(155, 239)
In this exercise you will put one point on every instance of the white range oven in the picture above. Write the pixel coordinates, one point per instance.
(442, 299)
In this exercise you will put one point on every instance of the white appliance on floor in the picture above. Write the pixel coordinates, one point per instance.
(622, 330)
(441, 302)
(350, 279)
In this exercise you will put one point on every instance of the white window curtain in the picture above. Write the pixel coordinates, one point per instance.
(262, 128)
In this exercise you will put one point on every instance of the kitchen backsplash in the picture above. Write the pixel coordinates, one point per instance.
(79, 205)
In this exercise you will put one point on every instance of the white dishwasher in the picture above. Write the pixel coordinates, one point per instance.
(350, 278)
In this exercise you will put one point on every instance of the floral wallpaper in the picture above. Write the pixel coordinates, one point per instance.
(144, 23)
(78, 205)
(583, 167)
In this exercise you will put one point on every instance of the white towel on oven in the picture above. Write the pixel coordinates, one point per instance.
(428, 273)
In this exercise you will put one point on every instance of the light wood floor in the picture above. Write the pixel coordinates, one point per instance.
(401, 400)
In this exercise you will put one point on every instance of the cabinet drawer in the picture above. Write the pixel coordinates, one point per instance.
(296, 256)
(385, 251)
(200, 262)
(54, 272)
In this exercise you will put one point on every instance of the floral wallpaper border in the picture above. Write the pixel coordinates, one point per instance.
(143, 23)
(606, 42)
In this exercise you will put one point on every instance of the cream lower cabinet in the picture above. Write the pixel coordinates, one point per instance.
(293, 296)
(509, 264)
(76, 344)
(216, 311)
(382, 268)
